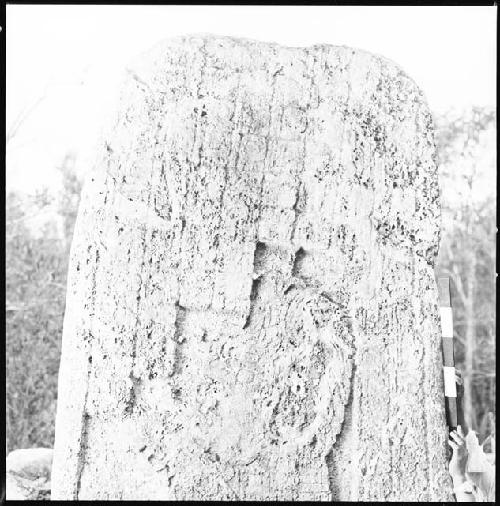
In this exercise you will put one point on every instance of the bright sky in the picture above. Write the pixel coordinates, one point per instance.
(71, 55)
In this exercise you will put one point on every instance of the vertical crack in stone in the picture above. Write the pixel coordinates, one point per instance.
(425, 421)
(298, 205)
(253, 295)
(237, 99)
(300, 198)
(331, 459)
(203, 66)
(298, 260)
(135, 381)
(82, 452)
(274, 77)
(178, 337)
(180, 318)
(133, 395)
(259, 255)
(83, 441)
(330, 464)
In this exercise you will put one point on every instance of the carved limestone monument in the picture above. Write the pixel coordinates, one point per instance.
(251, 309)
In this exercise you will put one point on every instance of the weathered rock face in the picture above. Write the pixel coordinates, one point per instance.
(28, 474)
(252, 311)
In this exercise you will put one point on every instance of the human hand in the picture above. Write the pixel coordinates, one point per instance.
(459, 456)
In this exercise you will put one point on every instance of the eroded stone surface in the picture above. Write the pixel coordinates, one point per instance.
(251, 310)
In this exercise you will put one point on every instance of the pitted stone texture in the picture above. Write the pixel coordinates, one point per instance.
(252, 311)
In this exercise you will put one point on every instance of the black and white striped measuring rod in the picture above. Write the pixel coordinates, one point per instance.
(450, 385)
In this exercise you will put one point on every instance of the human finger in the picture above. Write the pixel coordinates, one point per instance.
(453, 445)
(457, 438)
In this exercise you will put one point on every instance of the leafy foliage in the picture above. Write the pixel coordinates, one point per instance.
(36, 267)
(466, 147)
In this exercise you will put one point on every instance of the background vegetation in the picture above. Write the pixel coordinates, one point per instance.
(38, 235)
